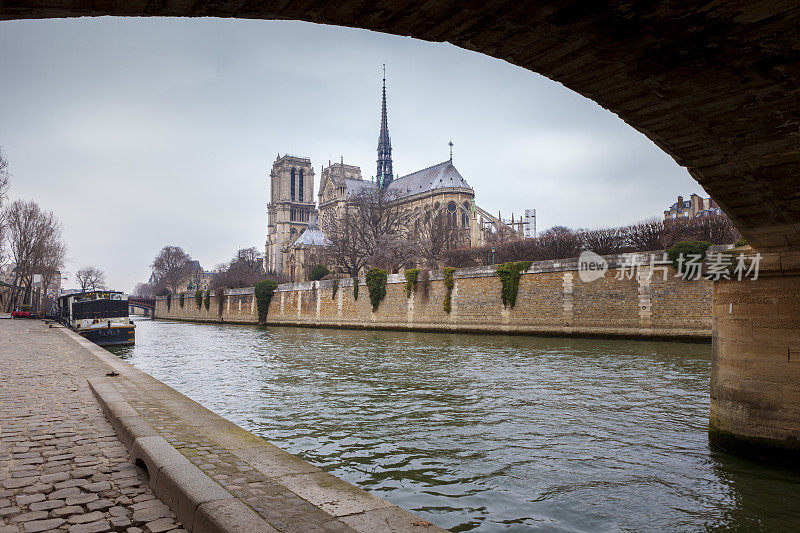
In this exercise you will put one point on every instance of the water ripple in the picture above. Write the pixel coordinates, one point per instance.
(485, 433)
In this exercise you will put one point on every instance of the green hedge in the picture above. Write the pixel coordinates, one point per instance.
(263, 293)
(376, 284)
(318, 272)
(207, 300)
(509, 276)
(687, 248)
(198, 298)
(355, 288)
(180, 300)
(449, 283)
(411, 281)
(169, 301)
(335, 289)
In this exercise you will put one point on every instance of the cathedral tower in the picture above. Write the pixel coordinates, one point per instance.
(290, 208)
(384, 175)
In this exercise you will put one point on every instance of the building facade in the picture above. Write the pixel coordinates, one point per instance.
(289, 211)
(439, 190)
(695, 207)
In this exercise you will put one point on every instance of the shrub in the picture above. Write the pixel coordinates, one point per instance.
(335, 289)
(355, 288)
(509, 276)
(411, 281)
(169, 301)
(180, 299)
(376, 284)
(318, 272)
(198, 298)
(685, 249)
(263, 293)
(207, 300)
(449, 283)
(741, 242)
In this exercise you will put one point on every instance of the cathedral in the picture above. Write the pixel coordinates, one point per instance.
(296, 226)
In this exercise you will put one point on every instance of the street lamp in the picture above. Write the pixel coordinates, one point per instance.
(492, 255)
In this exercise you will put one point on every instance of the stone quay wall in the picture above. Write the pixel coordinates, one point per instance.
(552, 300)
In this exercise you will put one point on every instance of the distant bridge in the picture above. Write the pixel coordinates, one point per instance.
(148, 305)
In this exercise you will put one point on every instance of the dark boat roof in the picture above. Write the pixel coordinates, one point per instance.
(89, 292)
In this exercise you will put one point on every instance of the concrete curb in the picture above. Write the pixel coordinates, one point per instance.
(201, 504)
(189, 495)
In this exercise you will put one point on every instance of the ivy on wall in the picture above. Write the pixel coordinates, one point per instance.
(198, 298)
(376, 284)
(355, 288)
(509, 276)
(411, 281)
(449, 283)
(207, 301)
(335, 289)
(263, 293)
(180, 300)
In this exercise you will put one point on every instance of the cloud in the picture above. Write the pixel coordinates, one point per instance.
(144, 132)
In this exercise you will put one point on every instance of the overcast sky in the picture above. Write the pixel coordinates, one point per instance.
(140, 133)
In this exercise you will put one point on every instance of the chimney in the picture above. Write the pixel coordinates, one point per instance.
(680, 202)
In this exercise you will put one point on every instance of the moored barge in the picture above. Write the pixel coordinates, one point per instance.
(99, 316)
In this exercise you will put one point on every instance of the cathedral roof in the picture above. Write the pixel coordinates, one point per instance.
(441, 176)
(312, 236)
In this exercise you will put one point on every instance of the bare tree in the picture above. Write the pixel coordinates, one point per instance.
(435, 236)
(604, 241)
(5, 177)
(171, 266)
(143, 290)
(647, 235)
(35, 244)
(370, 231)
(244, 270)
(90, 277)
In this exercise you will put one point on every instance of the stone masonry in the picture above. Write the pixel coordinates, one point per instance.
(552, 300)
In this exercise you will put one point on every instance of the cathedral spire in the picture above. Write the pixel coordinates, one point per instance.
(384, 174)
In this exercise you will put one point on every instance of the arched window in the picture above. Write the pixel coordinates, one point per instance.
(291, 186)
(300, 188)
(451, 214)
(464, 220)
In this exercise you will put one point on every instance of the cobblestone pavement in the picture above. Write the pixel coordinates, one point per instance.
(61, 465)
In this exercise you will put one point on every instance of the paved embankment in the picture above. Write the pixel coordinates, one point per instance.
(61, 464)
(213, 474)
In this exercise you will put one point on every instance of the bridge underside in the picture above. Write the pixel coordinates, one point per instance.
(714, 85)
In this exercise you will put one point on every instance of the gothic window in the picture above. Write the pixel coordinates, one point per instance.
(300, 188)
(291, 186)
(451, 214)
(464, 220)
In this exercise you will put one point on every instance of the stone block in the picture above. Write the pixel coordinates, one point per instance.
(130, 428)
(228, 516)
(390, 520)
(331, 494)
(155, 453)
(184, 487)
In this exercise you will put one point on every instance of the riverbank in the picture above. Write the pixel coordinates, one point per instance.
(553, 300)
(214, 475)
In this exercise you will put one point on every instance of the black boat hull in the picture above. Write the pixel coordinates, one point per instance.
(114, 336)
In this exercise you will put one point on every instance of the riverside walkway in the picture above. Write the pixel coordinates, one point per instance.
(89, 443)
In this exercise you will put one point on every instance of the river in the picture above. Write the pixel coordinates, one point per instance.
(484, 432)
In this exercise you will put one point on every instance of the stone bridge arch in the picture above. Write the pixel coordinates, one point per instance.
(716, 85)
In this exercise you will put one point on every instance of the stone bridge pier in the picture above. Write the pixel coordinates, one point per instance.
(755, 372)
(716, 85)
